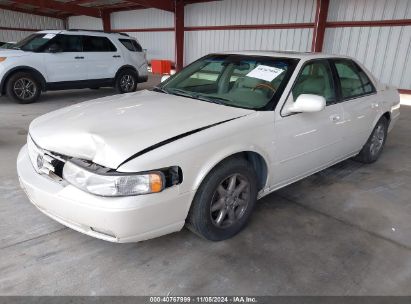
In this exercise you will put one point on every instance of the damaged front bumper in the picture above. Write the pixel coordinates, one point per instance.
(115, 219)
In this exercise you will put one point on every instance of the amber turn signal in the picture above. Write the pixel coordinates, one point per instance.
(156, 183)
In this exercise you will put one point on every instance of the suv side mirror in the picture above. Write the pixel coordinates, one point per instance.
(54, 48)
(164, 78)
(307, 103)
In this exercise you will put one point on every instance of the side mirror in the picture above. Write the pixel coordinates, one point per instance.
(54, 48)
(307, 103)
(164, 78)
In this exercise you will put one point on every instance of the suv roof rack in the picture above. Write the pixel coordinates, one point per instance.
(98, 31)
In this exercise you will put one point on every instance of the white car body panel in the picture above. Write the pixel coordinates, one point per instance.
(104, 64)
(142, 119)
(313, 140)
(17, 58)
(65, 66)
(109, 131)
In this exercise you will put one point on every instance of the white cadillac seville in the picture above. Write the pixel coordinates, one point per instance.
(203, 146)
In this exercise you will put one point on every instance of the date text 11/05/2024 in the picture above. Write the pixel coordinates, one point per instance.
(203, 299)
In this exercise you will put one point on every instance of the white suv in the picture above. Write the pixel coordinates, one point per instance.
(71, 59)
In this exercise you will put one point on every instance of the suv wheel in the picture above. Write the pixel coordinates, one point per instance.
(23, 88)
(225, 200)
(126, 81)
(375, 144)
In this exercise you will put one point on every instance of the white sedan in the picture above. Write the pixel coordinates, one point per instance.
(203, 146)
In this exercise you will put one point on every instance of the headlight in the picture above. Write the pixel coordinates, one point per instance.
(2, 59)
(115, 184)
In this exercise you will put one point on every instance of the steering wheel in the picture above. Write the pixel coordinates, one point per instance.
(267, 86)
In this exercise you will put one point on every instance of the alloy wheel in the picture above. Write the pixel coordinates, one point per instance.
(377, 140)
(127, 83)
(25, 88)
(230, 201)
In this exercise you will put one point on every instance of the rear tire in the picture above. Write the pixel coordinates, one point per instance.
(23, 88)
(126, 81)
(225, 200)
(375, 143)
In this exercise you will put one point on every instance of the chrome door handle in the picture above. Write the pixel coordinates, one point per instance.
(116, 56)
(335, 118)
(374, 105)
(79, 57)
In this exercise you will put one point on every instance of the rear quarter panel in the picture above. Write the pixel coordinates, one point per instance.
(390, 102)
(387, 97)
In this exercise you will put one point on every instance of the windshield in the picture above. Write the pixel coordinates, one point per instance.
(252, 82)
(34, 42)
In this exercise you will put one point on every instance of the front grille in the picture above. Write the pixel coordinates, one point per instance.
(43, 161)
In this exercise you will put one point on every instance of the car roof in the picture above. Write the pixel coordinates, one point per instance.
(86, 32)
(286, 54)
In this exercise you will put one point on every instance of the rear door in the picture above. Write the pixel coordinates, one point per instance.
(102, 57)
(359, 102)
(308, 142)
(67, 64)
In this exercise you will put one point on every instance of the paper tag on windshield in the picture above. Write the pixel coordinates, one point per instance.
(264, 72)
(49, 36)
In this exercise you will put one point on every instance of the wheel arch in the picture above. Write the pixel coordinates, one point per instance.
(39, 77)
(126, 67)
(387, 115)
(255, 158)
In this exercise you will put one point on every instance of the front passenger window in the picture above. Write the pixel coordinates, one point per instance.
(67, 43)
(315, 78)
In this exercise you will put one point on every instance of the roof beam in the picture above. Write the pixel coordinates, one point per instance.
(106, 22)
(61, 6)
(179, 34)
(81, 1)
(115, 6)
(28, 11)
(198, 1)
(166, 5)
(122, 9)
(320, 25)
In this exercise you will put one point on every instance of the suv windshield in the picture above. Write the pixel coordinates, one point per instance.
(252, 82)
(34, 42)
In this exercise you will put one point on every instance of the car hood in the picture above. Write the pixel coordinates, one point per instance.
(11, 53)
(110, 130)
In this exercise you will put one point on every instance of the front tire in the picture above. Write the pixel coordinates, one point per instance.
(126, 81)
(225, 200)
(375, 143)
(23, 88)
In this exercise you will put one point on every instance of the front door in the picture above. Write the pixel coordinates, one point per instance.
(67, 63)
(308, 142)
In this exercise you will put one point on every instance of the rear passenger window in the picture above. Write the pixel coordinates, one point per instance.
(98, 44)
(131, 45)
(137, 46)
(354, 82)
